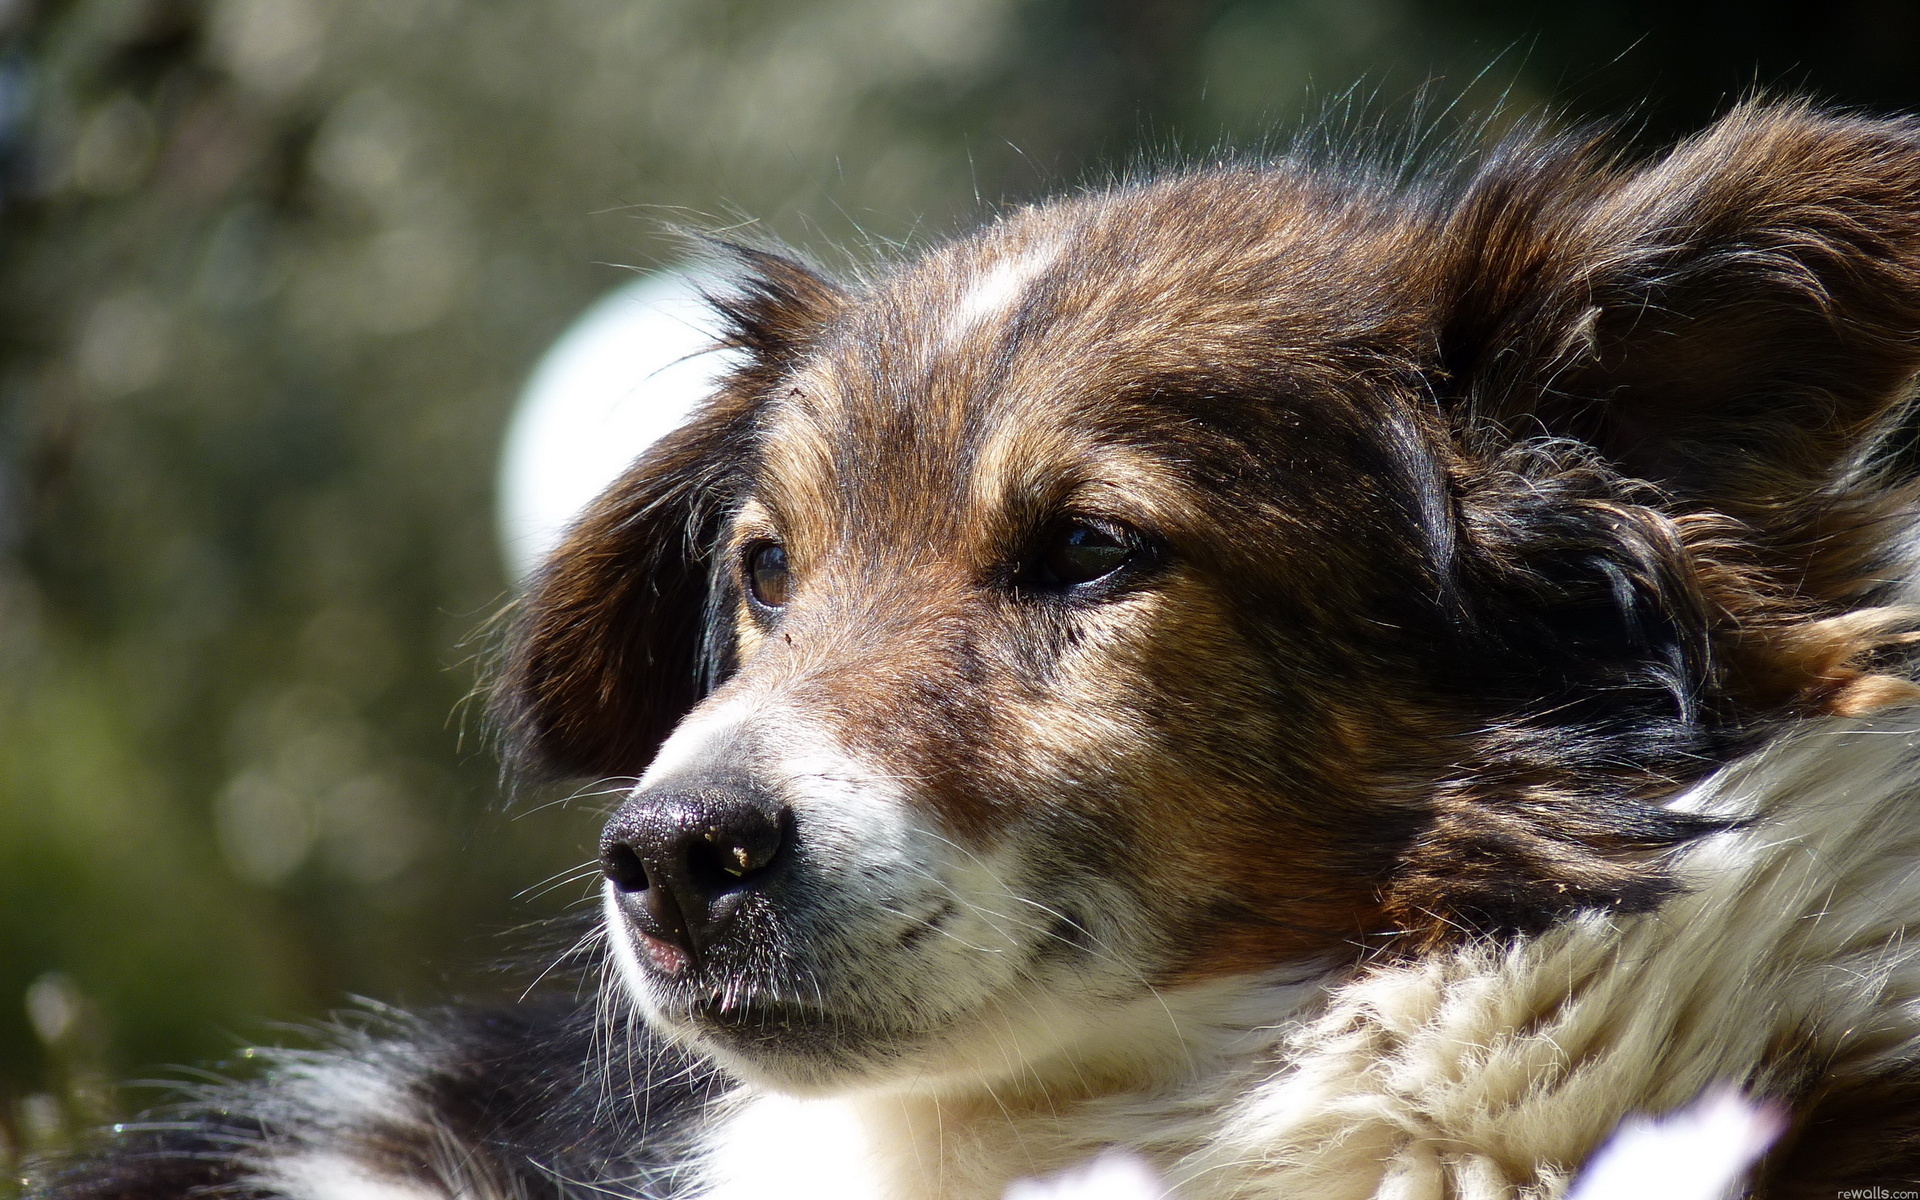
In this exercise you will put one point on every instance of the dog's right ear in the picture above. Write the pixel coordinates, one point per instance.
(609, 646)
(1733, 322)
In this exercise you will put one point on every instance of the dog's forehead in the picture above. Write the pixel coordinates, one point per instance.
(1061, 337)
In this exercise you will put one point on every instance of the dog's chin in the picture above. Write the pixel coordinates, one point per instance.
(807, 1050)
(868, 1038)
(793, 1048)
(809, 1046)
(816, 1049)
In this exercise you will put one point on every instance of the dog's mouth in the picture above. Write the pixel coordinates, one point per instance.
(751, 1000)
(803, 1024)
(777, 1023)
(785, 1037)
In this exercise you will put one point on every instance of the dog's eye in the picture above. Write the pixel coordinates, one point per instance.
(767, 573)
(1082, 553)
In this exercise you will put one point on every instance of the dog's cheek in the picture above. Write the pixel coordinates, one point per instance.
(1223, 786)
(1106, 757)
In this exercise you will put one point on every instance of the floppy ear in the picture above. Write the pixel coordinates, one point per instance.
(610, 643)
(1730, 322)
(1661, 378)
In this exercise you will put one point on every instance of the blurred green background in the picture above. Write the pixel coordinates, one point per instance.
(271, 273)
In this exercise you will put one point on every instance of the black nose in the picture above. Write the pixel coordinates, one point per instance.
(690, 852)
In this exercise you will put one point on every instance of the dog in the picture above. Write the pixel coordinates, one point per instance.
(1339, 683)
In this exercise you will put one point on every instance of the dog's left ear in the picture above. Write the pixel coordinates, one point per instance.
(610, 644)
(1729, 322)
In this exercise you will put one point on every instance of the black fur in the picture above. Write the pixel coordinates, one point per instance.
(543, 1101)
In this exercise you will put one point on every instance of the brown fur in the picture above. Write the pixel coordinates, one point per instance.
(1484, 516)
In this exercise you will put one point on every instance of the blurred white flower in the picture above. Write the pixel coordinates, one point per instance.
(1111, 1175)
(1700, 1152)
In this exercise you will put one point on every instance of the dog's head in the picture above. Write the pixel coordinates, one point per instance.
(1223, 577)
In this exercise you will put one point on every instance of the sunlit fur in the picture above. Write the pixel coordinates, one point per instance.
(1496, 732)
(1483, 515)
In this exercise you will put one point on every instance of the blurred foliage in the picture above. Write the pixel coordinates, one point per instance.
(271, 272)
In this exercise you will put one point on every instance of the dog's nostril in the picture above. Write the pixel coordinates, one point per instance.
(711, 870)
(729, 857)
(623, 867)
(744, 846)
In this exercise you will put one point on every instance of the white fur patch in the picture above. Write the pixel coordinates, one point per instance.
(694, 738)
(333, 1115)
(864, 812)
(795, 1149)
(998, 290)
(362, 1091)
(328, 1175)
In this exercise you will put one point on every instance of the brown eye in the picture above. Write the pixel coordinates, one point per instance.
(767, 574)
(1082, 553)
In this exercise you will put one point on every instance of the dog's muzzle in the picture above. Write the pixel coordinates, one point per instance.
(684, 856)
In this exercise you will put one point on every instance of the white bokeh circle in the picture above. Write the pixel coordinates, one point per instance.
(629, 371)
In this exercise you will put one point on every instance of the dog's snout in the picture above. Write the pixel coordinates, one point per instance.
(688, 854)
